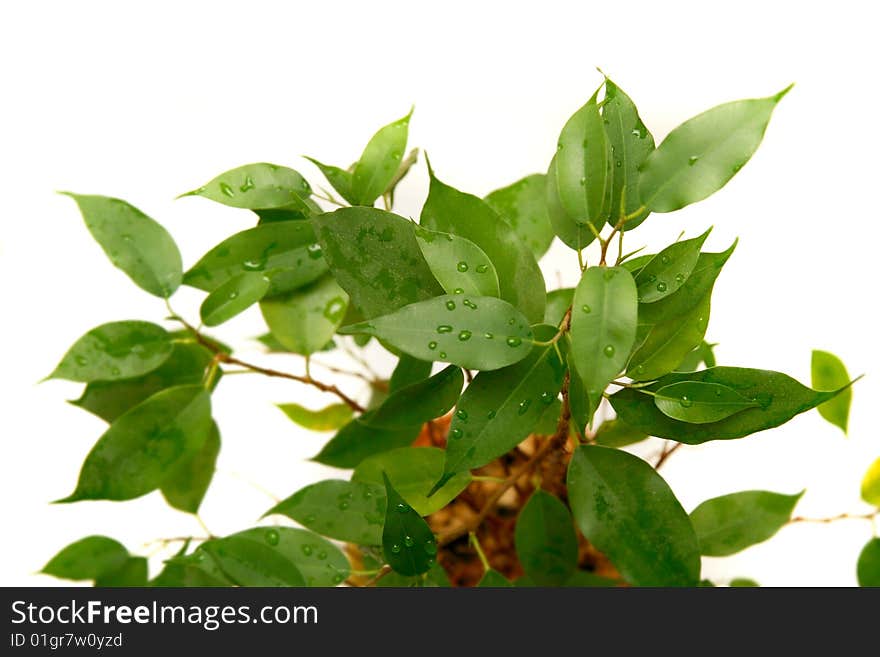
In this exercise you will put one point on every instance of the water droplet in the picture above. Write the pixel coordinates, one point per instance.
(482, 269)
(337, 578)
(692, 160)
(586, 309)
(81, 360)
(661, 286)
(488, 336)
(664, 259)
(558, 146)
(458, 290)
(408, 541)
(462, 266)
(679, 278)
(640, 369)
(432, 345)
(314, 251)
(272, 537)
(686, 402)
(395, 549)
(547, 397)
(455, 434)
(652, 278)
(402, 508)
(450, 305)
(254, 265)
(334, 308)
(248, 184)
(430, 548)
(583, 182)
(618, 163)
(513, 342)
(608, 350)
(307, 550)
(444, 328)
(233, 294)
(127, 238)
(322, 555)
(226, 189)
(115, 371)
(343, 505)
(523, 406)
(311, 517)
(490, 414)
(461, 414)
(511, 321)
(367, 494)
(470, 304)
(442, 354)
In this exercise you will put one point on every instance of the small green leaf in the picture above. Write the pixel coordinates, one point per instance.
(667, 272)
(133, 572)
(523, 205)
(617, 433)
(492, 579)
(482, 333)
(408, 370)
(256, 186)
(339, 179)
(696, 402)
(114, 351)
(580, 404)
(319, 561)
(305, 319)
(87, 559)
(375, 257)
(780, 398)
(413, 472)
(348, 511)
(459, 265)
(546, 543)
(829, 373)
(629, 513)
(357, 440)
(329, 418)
(249, 561)
(728, 524)
(743, 582)
(407, 542)
(702, 354)
(520, 280)
(698, 157)
(868, 567)
(186, 483)
(286, 252)
(136, 453)
(575, 235)
(377, 165)
(558, 301)
(233, 297)
(871, 484)
(419, 402)
(134, 242)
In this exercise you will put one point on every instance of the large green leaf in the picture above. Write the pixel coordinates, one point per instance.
(629, 513)
(375, 258)
(345, 510)
(134, 242)
(631, 143)
(329, 418)
(286, 252)
(829, 373)
(256, 186)
(419, 402)
(114, 351)
(378, 163)
(698, 157)
(407, 542)
(667, 271)
(319, 561)
(187, 481)
(251, 560)
(728, 524)
(520, 280)
(780, 398)
(575, 235)
(546, 543)
(868, 566)
(558, 301)
(87, 559)
(305, 319)
(135, 454)
(617, 433)
(696, 402)
(871, 484)
(233, 297)
(523, 205)
(482, 333)
(357, 440)
(339, 179)
(408, 371)
(459, 265)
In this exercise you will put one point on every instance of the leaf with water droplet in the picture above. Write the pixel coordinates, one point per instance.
(829, 373)
(629, 513)
(114, 351)
(133, 242)
(702, 354)
(780, 398)
(233, 297)
(258, 186)
(697, 402)
(357, 440)
(868, 565)
(669, 269)
(329, 418)
(419, 402)
(87, 559)
(339, 179)
(378, 164)
(247, 560)
(722, 138)
(546, 543)
(458, 263)
(406, 529)
(730, 523)
(575, 235)
(523, 205)
(871, 484)
(187, 481)
(413, 327)
(617, 433)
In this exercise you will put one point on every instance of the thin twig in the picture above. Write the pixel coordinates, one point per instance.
(840, 516)
(666, 453)
(384, 570)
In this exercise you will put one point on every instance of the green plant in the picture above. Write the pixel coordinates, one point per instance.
(525, 480)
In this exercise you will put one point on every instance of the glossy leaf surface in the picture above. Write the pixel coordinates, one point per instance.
(667, 272)
(523, 205)
(357, 440)
(233, 297)
(419, 402)
(868, 566)
(697, 402)
(871, 484)
(339, 179)
(186, 483)
(319, 561)
(378, 163)
(87, 559)
(829, 373)
(407, 542)
(575, 235)
(329, 418)
(546, 543)
(256, 186)
(459, 265)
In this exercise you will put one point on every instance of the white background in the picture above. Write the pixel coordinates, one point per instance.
(146, 100)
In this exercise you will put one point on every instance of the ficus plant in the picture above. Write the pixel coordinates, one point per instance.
(493, 455)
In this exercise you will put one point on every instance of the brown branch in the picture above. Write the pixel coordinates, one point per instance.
(840, 516)
(666, 453)
(384, 570)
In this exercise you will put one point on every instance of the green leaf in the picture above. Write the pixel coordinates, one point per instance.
(329, 418)
(256, 186)
(183, 575)
(377, 165)
(419, 402)
(459, 265)
(829, 373)
(549, 419)
(546, 544)
(617, 433)
(631, 143)
(492, 579)
(249, 561)
(413, 472)
(134, 242)
(629, 513)
(523, 205)
(348, 511)
(868, 567)
(582, 166)
(871, 484)
(780, 398)
(558, 302)
(499, 409)
(743, 582)
(698, 157)
(580, 404)
(408, 370)
(702, 354)
(110, 399)
(520, 280)
(114, 351)
(407, 542)
(87, 559)
(339, 179)
(319, 561)
(357, 440)
(233, 297)
(186, 483)
(586, 579)
(133, 572)
(135, 454)
(482, 333)
(575, 235)
(696, 402)
(667, 272)
(603, 326)
(286, 252)
(436, 577)
(305, 319)
(375, 258)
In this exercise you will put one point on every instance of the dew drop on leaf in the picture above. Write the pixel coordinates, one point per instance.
(226, 189)
(513, 342)
(608, 350)
(408, 541)
(455, 434)
(307, 550)
(430, 548)
(661, 286)
(461, 414)
(692, 160)
(450, 305)
(432, 345)
(585, 308)
(482, 269)
(458, 290)
(523, 406)
(462, 266)
(402, 508)
(464, 335)
(272, 537)
(686, 402)
(444, 328)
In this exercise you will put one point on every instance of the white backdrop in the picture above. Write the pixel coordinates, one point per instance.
(144, 103)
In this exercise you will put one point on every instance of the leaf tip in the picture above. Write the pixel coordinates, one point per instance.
(779, 96)
(440, 483)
